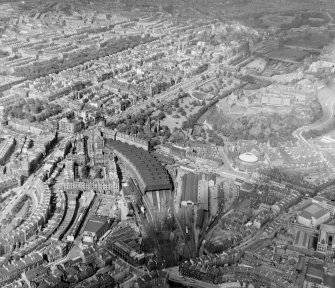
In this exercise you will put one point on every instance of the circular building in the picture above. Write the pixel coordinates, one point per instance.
(248, 157)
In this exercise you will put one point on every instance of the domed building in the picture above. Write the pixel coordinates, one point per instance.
(246, 160)
(248, 157)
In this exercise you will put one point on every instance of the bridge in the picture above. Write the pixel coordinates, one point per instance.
(302, 48)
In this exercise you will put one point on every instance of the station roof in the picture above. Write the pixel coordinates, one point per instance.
(149, 171)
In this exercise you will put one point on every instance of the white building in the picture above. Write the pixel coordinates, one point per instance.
(325, 203)
(313, 215)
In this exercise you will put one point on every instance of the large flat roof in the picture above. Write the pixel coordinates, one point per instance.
(148, 170)
(95, 223)
(313, 210)
(190, 188)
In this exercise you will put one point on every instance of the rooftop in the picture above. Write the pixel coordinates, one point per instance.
(147, 168)
(95, 223)
(313, 210)
(248, 157)
(190, 188)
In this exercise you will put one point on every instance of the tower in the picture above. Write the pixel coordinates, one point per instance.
(147, 128)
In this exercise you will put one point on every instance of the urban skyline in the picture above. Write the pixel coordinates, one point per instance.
(156, 144)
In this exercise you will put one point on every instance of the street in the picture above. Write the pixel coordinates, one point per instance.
(326, 98)
(175, 277)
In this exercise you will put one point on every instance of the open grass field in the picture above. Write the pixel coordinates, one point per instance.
(277, 20)
(288, 54)
(176, 119)
(314, 41)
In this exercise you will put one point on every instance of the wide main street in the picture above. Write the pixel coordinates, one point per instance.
(326, 97)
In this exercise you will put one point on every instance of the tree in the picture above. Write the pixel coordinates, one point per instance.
(38, 118)
(327, 81)
(180, 109)
(48, 112)
(20, 114)
(31, 118)
(27, 108)
(167, 133)
(185, 125)
(133, 129)
(161, 115)
(36, 108)
(98, 172)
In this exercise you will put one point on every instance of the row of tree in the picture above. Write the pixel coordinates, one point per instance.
(18, 206)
